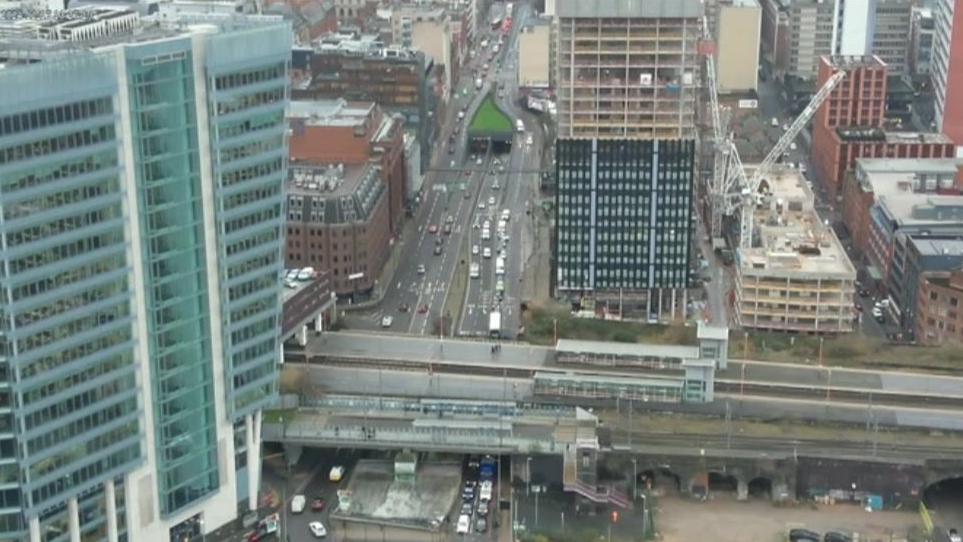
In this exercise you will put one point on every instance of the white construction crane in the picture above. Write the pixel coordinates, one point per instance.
(731, 189)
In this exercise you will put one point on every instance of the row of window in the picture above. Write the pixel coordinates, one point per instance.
(63, 142)
(68, 354)
(63, 225)
(64, 169)
(73, 327)
(64, 277)
(250, 77)
(50, 493)
(32, 120)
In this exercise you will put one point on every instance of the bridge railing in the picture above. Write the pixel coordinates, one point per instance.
(433, 437)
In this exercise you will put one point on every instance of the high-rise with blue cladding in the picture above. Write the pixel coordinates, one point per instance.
(141, 174)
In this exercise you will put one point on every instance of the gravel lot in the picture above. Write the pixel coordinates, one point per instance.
(727, 520)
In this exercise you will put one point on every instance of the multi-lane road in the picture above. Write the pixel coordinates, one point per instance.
(513, 187)
(460, 191)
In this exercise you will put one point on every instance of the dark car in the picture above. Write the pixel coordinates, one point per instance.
(803, 535)
(833, 536)
(318, 504)
(437, 250)
(481, 525)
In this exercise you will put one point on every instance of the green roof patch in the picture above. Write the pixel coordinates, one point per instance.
(490, 120)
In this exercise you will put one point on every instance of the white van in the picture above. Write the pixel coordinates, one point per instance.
(463, 524)
(297, 504)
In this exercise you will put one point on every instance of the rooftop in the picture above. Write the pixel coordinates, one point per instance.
(332, 194)
(628, 8)
(423, 502)
(856, 133)
(793, 240)
(335, 112)
(489, 119)
(849, 62)
(599, 348)
(905, 176)
(937, 246)
(333, 180)
(908, 208)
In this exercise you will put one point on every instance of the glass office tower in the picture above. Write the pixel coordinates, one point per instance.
(140, 189)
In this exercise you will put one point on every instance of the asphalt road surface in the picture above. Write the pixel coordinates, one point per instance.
(416, 298)
(513, 187)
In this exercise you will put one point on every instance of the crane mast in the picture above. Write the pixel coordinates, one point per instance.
(731, 190)
(751, 187)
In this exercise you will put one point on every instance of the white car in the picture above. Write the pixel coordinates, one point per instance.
(474, 250)
(317, 529)
(336, 473)
(421, 269)
(491, 200)
(474, 270)
(478, 161)
(463, 524)
(387, 321)
(487, 253)
(481, 205)
(496, 186)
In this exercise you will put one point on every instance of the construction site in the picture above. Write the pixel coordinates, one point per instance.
(799, 277)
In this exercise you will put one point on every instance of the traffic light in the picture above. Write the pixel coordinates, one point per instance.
(615, 516)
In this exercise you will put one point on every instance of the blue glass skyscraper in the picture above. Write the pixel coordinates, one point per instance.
(141, 175)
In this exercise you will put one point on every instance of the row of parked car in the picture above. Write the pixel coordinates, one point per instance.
(805, 535)
(477, 495)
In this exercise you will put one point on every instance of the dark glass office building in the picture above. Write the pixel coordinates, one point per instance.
(623, 214)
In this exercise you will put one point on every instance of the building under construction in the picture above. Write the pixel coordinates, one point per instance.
(628, 76)
(799, 279)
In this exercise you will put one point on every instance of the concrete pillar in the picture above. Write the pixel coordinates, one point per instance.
(73, 519)
(281, 352)
(660, 303)
(648, 304)
(303, 336)
(742, 490)
(673, 304)
(252, 426)
(35, 529)
(685, 303)
(319, 322)
(110, 499)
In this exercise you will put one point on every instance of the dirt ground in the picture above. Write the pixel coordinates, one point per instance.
(727, 520)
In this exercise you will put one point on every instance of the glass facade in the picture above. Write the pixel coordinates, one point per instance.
(161, 86)
(68, 408)
(249, 145)
(151, 159)
(623, 214)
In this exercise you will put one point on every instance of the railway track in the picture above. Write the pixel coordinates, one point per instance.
(781, 390)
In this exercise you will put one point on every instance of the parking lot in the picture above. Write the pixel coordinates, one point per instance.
(680, 519)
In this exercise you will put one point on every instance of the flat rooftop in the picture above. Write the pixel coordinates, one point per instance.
(336, 112)
(793, 240)
(848, 62)
(908, 208)
(423, 503)
(597, 9)
(641, 350)
(936, 246)
(333, 180)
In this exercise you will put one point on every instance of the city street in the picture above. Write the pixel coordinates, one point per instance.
(517, 192)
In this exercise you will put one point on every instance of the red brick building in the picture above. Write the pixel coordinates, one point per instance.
(939, 316)
(849, 123)
(352, 133)
(337, 223)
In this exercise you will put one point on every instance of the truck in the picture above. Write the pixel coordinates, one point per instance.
(487, 469)
(495, 332)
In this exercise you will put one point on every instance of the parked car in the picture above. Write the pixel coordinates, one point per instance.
(954, 536)
(833, 536)
(481, 525)
(803, 535)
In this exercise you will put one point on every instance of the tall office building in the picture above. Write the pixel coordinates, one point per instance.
(141, 174)
(946, 67)
(627, 76)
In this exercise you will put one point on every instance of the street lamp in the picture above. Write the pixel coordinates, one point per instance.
(528, 476)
